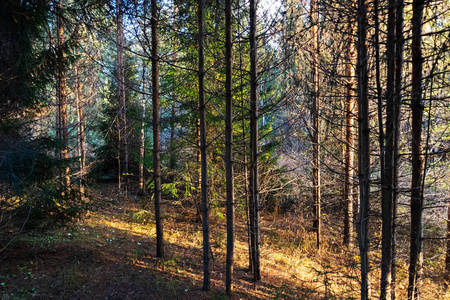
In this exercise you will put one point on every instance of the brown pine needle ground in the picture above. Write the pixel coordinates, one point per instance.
(110, 254)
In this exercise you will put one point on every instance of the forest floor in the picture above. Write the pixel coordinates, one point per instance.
(110, 254)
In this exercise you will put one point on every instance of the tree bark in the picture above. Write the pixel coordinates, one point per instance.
(254, 174)
(229, 148)
(142, 133)
(62, 102)
(204, 162)
(398, 102)
(80, 130)
(447, 255)
(156, 126)
(173, 111)
(122, 117)
(363, 148)
(416, 147)
(349, 136)
(316, 130)
(387, 191)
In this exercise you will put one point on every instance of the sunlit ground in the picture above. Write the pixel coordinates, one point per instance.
(110, 254)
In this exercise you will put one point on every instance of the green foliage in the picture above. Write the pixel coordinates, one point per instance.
(142, 217)
(24, 68)
(31, 196)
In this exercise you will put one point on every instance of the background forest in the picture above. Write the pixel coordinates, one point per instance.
(251, 149)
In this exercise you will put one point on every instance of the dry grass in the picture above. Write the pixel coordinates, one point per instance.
(110, 254)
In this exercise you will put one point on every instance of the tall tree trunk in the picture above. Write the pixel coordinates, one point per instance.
(349, 135)
(416, 147)
(143, 100)
(254, 174)
(173, 111)
(363, 148)
(397, 101)
(198, 187)
(156, 126)
(244, 149)
(123, 146)
(142, 133)
(62, 102)
(315, 116)
(387, 191)
(80, 129)
(204, 162)
(229, 147)
(379, 90)
(447, 254)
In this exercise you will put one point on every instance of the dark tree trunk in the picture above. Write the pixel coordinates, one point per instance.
(364, 147)
(416, 147)
(204, 165)
(156, 126)
(229, 147)
(398, 101)
(387, 191)
(254, 174)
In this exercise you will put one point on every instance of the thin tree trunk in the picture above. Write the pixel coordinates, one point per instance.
(229, 148)
(198, 199)
(204, 162)
(379, 91)
(398, 101)
(416, 147)
(142, 133)
(363, 148)
(80, 130)
(62, 99)
(156, 126)
(143, 100)
(173, 155)
(254, 174)
(447, 255)
(244, 151)
(349, 136)
(316, 130)
(123, 147)
(387, 191)
(173, 111)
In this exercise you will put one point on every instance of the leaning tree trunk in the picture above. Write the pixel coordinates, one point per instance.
(416, 147)
(204, 165)
(229, 148)
(156, 126)
(363, 148)
(254, 174)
